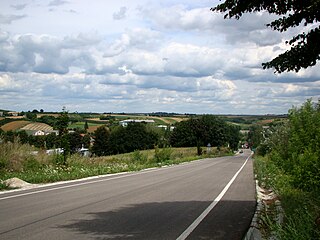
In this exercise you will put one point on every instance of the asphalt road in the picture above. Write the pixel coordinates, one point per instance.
(206, 199)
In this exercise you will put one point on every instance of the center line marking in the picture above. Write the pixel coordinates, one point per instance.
(196, 222)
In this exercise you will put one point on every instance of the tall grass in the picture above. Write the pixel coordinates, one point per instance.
(301, 209)
(17, 160)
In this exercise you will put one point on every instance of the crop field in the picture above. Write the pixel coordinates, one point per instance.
(92, 126)
(37, 126)
(13, 126)
(158, 120)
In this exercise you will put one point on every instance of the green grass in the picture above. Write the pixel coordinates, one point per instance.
(301, 209)
(17, 161)
(81, 125)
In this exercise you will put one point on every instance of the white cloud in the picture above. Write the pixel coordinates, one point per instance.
(57, 3)
(8, 19)
(121, 14)
(174, 56)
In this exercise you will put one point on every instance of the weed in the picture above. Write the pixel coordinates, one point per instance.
(162, 155)
(300, 208)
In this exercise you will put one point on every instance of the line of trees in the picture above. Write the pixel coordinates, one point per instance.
(204, 130)
(136, 136)
(193, 132)
(197, 131)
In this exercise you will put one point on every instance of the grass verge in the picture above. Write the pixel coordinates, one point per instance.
(301, 209)
(16, 160)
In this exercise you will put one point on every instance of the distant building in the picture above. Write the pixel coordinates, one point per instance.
(39, 133)
(165, 127)
(1, 114)
(244, 131)
(125, 123)
(13, 114)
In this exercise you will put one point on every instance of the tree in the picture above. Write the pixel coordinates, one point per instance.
(62, 125)
(100, 146)
(63, 122)
(305, 47)
(201, 131)
(133, 137)
(86, 126)
(31, 115)
(75, 141)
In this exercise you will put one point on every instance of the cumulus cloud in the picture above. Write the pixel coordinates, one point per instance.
(44, 54)
(8, 19)
(249, 28)
(121, 14)
(178, 58)
(18, 6)
(57, 3)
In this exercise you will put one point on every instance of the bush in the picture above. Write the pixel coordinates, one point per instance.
(58, 159)
(137, 156)
(306, 172)
(162, 155)
(3, 163)
(301, 209)
(31, 164)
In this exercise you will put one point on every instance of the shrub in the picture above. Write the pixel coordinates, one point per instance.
(31, 164)
(162, 155)
(137, 156)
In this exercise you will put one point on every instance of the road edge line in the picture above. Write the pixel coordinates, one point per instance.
(196, 222)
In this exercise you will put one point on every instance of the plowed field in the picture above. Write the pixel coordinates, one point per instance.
(38, 126)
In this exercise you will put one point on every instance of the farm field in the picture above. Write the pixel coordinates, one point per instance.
(158, 120)
(13, 126)
(37, 126)
(81, 125)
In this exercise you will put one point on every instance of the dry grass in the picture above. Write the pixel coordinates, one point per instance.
(15, 117)
(48, 114)
(13, 126)
(265, 121)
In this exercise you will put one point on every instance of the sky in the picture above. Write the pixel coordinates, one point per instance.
(144, 56)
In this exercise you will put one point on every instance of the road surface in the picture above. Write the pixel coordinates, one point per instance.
(205, 199)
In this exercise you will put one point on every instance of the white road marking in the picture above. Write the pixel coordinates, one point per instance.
(95, 181)
(190, 229)
(78, 184)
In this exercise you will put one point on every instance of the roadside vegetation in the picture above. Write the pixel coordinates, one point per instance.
(17, 160)
(287, 161)
(113, 147)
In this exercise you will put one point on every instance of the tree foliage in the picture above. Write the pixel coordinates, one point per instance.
(294, 146)
(62, 122)
(305, 47)
(204, 130)
(133, 137)
(100, 146)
